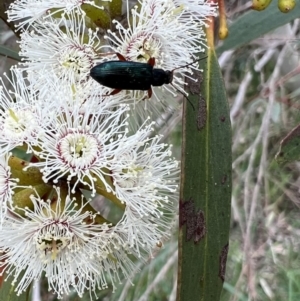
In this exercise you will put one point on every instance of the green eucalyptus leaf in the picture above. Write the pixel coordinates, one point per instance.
(9, 53)
(254, 24)
(7, 292)
(100, 17)
(103, 17)
(205, 187)
(115, 8)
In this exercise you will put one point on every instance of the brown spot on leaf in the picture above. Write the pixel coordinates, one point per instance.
(200, 228)
(222, 264)
(194, 86)
(202, 113)
(222, 118)
(194, 221)
(224, 178)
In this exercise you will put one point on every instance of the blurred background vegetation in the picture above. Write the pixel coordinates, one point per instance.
(260, 63)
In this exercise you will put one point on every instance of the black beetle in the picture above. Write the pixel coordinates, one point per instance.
(128, 75)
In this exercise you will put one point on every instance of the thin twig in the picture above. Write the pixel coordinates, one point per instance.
(160, 276)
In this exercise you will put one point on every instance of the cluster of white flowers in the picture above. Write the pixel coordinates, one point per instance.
(67, 146)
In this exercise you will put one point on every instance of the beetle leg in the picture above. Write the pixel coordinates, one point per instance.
(120, 56)
(114, 92)
(150, 93)
(151, 61)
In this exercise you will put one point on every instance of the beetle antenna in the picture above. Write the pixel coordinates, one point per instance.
(189, 63)
(183, 67)
(189, 101)
(184, 96)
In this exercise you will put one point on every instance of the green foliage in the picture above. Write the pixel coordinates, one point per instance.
(9, 53)
(7, 292)
(205, 188)
(254, 24)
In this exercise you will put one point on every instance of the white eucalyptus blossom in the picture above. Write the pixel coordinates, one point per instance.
(142, 234)
(21, 114)
(65, 47)
(62, 239)
(27, 11)
(144, 170)
(7, 185)
(80, 145)
(199, 10)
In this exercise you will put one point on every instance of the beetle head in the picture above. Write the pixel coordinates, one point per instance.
(169, 77)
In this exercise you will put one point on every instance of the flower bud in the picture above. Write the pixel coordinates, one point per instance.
(260, 4)
(286, 5)
(23, 198)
